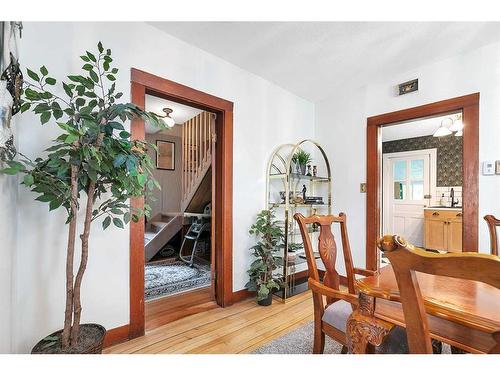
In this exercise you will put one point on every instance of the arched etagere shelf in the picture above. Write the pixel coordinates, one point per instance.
(286, 188)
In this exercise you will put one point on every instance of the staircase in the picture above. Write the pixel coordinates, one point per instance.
(197, 148)
(159, 230)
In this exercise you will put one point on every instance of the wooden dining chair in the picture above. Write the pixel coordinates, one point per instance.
(331, 318)
(407, 259)
(493, 223)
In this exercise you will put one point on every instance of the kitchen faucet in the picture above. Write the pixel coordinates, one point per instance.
(452, 195)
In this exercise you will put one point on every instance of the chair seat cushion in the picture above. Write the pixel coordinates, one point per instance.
(337, 313)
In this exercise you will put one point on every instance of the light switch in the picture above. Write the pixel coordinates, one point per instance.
(488, 168)
(362, 187)
(497, 168)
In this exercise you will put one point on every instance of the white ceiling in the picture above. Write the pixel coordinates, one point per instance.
(180, 112)
(412, 129)
(315, 59)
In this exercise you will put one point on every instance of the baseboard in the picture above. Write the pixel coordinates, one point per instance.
(116, 335)
(242, 294)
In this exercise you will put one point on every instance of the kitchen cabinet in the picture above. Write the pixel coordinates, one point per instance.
(443, 229)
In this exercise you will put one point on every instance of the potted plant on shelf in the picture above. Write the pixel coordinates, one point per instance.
(269, 238)
(94, 166)
(301, 159)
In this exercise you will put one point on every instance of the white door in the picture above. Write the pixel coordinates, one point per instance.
(407, 185)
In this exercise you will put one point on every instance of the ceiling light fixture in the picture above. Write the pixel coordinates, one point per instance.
(443, 129)
(457, 125)
(169, 121)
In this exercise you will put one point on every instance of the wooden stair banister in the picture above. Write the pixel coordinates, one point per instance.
(197, 134)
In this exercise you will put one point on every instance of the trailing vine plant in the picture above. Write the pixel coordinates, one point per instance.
(93, 167)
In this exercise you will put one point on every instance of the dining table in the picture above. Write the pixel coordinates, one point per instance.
(462, 313)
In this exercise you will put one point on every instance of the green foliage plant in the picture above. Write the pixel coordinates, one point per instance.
(93, 165)
(269, 238)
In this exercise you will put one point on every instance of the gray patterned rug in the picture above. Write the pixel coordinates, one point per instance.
(167, 278)
(300, 341)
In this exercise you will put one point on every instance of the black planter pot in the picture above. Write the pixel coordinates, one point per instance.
(266, 301)
(90, 341)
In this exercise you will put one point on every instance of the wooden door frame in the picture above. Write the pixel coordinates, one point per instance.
(469, 105)
(143, 83)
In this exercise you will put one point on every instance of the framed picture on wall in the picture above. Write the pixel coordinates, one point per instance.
(165, 155)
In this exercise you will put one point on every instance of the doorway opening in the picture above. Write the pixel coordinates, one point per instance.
(422, 182)
(465, 223)
(178, 233)
(183, 251)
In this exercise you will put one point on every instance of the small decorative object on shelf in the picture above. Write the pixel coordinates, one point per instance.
(293, 185)
(309, 170)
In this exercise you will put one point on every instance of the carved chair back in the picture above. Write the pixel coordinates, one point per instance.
(407, 259)
(327, 249)
(493, 223)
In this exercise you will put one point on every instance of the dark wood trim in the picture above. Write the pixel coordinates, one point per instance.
(143, 83)
(136, 282)
(469, 105)
(116, 335)
(242, 295)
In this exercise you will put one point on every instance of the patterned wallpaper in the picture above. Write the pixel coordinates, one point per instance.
(449, 155)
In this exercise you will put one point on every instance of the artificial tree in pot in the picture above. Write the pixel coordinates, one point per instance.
(94, 166)
(261, 272)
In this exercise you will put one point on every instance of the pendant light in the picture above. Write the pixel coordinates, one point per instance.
(443, 129)
(457, 125)
(169, 121)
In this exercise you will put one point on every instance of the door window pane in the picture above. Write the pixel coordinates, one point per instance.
(399, 190)
(417, 169)
(400, 170)
(417, 190)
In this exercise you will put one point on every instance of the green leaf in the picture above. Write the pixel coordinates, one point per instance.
(126, 217)
(94, 76)
(25, 107)
(50, 81)
(117, 222)
(119, 160)
(44, 70)
(70, 138)
(33, 75)
(28, 180)
(45, 117)
(116, 125)
(11, 171)
(99, 47)
(67, 89)
(106, 222)
(111, 77)
(88, 67)
(91, 56)
(85, 58)
(124, 134)
(54, 204)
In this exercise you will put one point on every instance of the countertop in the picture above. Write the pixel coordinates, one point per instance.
(443, 208)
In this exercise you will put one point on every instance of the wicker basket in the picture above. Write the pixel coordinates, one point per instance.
(93, 347)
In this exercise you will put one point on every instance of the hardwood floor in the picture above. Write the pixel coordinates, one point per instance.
(168, 309)
(240, 328)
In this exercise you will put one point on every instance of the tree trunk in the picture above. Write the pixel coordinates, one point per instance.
(77, 305)
(70, 254)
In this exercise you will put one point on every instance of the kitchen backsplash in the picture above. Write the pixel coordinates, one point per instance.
(449, 155)
(446, 190)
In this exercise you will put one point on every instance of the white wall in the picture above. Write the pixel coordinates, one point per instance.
(341, 125)
(8, 228)
(264, 117)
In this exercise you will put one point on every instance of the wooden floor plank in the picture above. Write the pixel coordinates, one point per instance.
(240, 328)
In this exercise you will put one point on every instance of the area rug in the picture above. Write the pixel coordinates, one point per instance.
(300, 341)
(166, 278)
